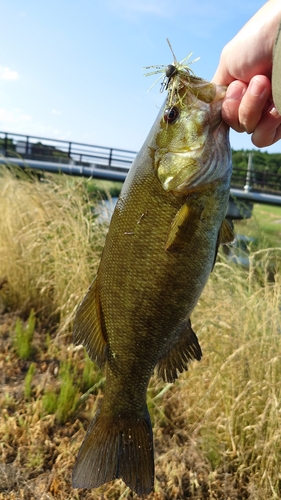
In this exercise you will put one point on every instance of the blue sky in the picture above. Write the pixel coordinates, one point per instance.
(72, 69)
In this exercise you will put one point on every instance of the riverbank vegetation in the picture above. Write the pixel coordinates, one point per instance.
(216, 430)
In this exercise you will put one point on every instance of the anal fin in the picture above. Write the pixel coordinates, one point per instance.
(87, 329)
(184, 350)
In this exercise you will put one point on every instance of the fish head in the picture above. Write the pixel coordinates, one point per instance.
(192, 140)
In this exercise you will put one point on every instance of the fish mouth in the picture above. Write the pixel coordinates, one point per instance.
(180, 171)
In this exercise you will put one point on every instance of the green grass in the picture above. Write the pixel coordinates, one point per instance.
(28, 381)
(24, 336)
(64, 401)
(99, 188)
(264, 226)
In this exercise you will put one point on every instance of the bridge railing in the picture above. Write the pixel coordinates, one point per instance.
(255, 179)
(64, 152)
(88, 160)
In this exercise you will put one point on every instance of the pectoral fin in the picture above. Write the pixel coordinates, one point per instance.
(87, 329)
(183, 226)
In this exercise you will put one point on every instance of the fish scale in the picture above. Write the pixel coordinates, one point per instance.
(159, 252)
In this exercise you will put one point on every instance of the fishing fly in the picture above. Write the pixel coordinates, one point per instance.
(172, 73)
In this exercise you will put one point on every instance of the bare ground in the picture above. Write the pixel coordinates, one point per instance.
(37, 452)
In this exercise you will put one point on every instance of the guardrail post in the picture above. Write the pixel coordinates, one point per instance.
(69, 150)
(248, 186)
(110, 157)
(6, 143)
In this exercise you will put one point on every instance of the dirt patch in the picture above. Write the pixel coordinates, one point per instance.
(38, 452)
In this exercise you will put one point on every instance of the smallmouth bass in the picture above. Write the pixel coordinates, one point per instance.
(159, 252)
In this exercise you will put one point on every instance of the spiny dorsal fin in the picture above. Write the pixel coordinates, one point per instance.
(87, 329)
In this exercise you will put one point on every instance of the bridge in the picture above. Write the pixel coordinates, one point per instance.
(71, 158)
(78, 159)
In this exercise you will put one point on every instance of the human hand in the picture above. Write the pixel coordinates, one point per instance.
(246, 65)
(249, 108)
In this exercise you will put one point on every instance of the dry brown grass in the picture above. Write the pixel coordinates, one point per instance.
(240, 378)
(217, 429)
(50, 244)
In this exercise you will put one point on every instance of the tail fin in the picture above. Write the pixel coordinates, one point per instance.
(116, 449)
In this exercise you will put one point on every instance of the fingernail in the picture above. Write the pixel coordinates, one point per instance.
(235, 91)
(256, 89)
(274, 112)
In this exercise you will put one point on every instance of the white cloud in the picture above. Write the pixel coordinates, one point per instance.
(56, 112)
(15, 116)
(17, 121)
(8, 74)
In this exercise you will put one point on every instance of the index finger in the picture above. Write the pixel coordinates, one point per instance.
(253, 102)
(222, 76)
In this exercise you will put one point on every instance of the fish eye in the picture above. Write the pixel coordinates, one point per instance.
(171, 114)
(170, 70)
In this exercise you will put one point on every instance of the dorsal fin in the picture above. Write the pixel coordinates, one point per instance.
(87, 329)
(225, 236)
(226, 233)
